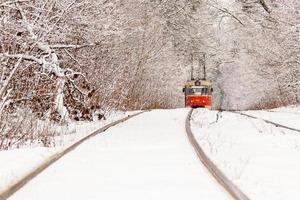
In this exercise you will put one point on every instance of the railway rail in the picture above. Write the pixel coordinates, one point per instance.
(219, 176)
(15, 186)
(268, 121)
(286, 112)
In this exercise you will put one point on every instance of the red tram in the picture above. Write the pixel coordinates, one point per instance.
(198, 93)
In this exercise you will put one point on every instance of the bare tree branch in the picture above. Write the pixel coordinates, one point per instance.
(265, 6)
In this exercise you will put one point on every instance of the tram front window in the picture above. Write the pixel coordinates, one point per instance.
(199, 91)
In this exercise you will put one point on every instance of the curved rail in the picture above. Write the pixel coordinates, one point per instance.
(15, 186)
(286, 112)
(232, 189)
(269, 122)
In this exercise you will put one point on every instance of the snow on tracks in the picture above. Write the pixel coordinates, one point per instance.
(269, 122)
(148, 157)
(6, 192)
(262, 159)
(228, 186)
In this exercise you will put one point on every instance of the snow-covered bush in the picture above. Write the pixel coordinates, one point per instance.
(24, 128)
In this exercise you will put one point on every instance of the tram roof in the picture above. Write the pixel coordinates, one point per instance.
(196, 83)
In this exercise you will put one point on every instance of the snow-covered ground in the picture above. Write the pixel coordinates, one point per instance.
(14, 164)
(263, 160)
(286, 116)
(147, 157)
(76, 130)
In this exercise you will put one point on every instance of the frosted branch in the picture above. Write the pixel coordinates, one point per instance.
(71, 46)
(226, 11)
(23, 56)
(265, 6)
(13, 2)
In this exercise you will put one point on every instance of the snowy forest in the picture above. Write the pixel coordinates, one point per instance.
(63, 60)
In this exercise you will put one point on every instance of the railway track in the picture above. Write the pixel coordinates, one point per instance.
(15, 186)
(213, 170)
(268, 121)
(219, 176)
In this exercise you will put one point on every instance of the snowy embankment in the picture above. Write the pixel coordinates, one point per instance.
(18, 162)
(263, 160)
